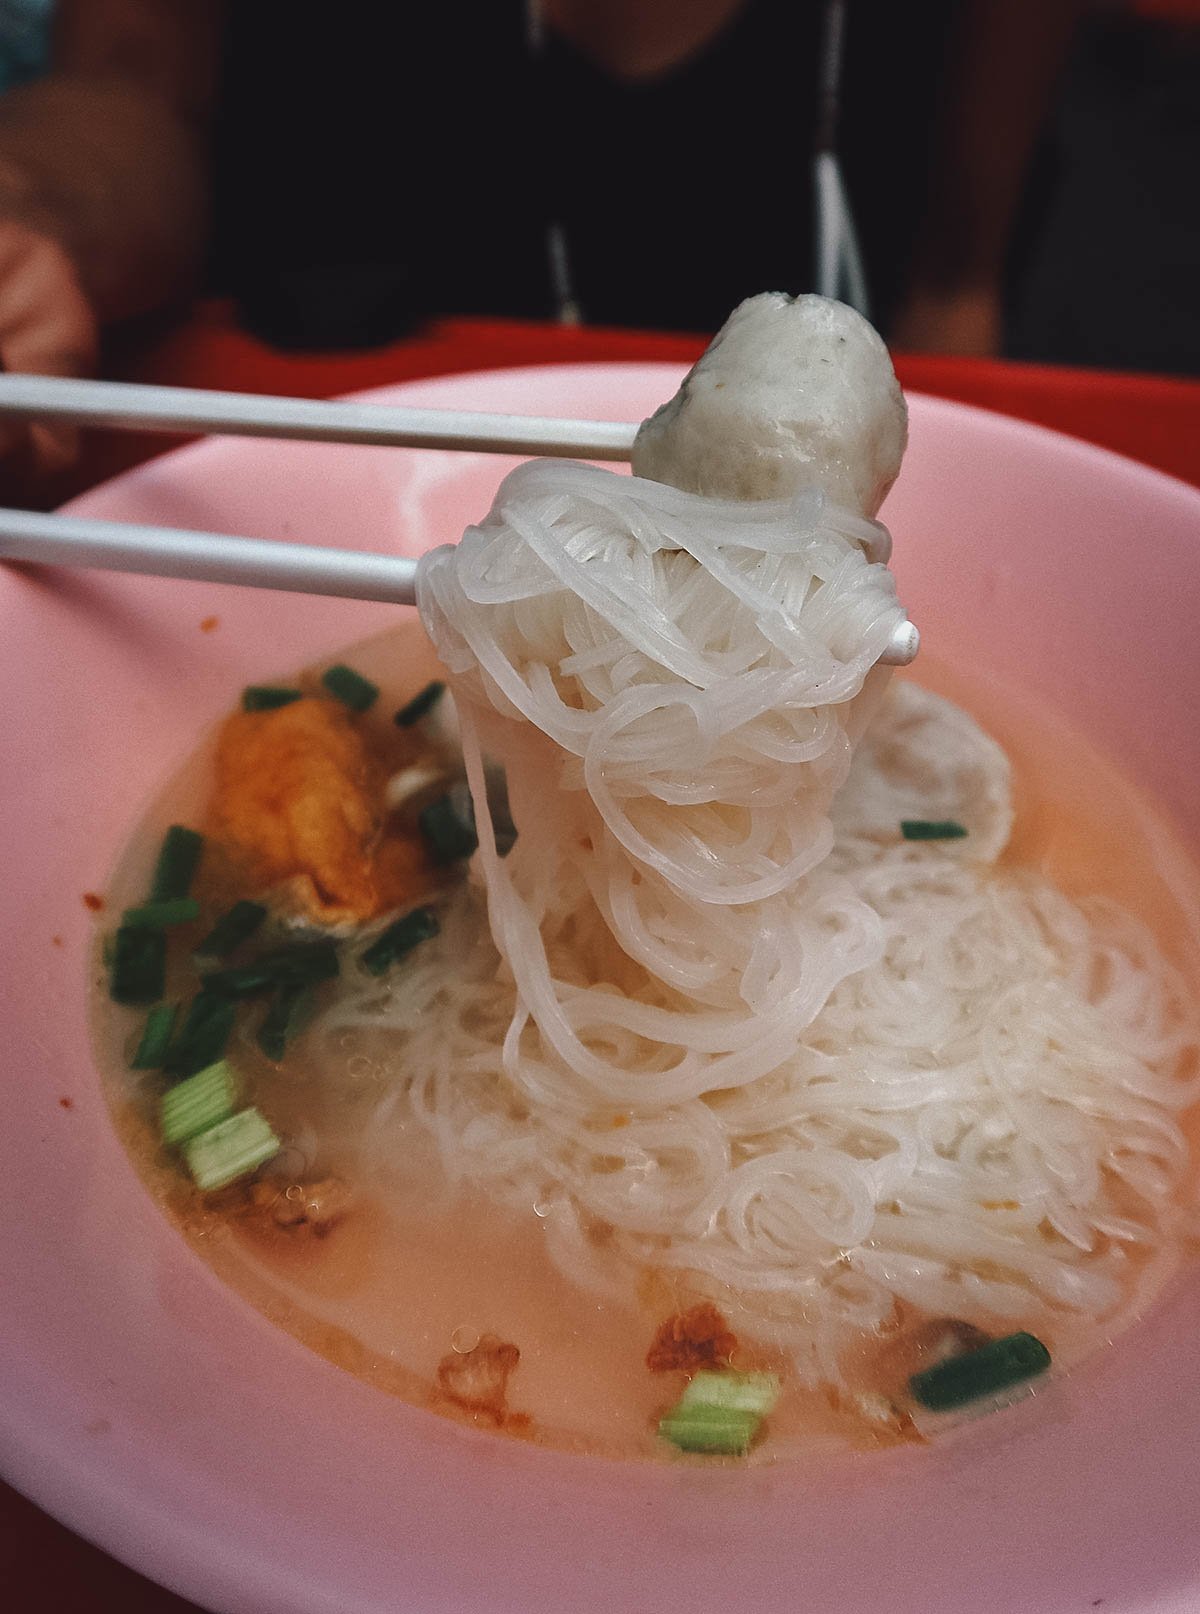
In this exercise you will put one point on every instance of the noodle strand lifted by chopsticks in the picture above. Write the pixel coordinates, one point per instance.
(701, 1032)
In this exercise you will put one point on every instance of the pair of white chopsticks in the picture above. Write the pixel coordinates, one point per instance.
(210, 557)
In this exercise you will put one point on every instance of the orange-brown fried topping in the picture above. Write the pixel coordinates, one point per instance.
(314, 1205)
(692, 1339)
(477, 1380)
(300, 802)
(875, 1419)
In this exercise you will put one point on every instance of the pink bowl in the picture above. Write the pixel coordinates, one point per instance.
(149, 1408)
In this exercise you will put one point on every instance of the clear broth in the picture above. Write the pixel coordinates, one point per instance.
(391, 1290)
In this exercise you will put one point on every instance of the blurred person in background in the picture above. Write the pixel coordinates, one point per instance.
(1104, 267)
(343, 175)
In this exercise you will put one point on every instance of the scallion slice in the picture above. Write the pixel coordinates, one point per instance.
(718, 1431)
(449, 837)
(351, 688)
(302, 965)
(285, 1017)
(931, 829)
(420, 705)
(160, 915)
(231, 1149)
(234, 927)
(993, 1367)
(731, 1392)
(267, 697)
(139, 965)
(204, 1035)
(156, 1037)
(177, 864)
(201, 1102)
(720, 1412)
(418, 926)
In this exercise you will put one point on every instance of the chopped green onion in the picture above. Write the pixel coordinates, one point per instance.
(398, 939)
(177, 864)
(285, 1017)
(267, 698)
(233, 927)
(158, 915)
(201, 1102)
(731, 1392)
(995, 1366)
(420, 705)
(156, 1037)
(204, 1035)
(720, 1412)
(931, 829)
(139, 966)
(719, 1431)
(302, 965)
(449, 837)
(231, 1149)
(351, 688)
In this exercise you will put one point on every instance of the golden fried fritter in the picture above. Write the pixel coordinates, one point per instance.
(299, 802)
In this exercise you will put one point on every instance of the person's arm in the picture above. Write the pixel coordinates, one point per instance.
(103, 183)
(1004, 64)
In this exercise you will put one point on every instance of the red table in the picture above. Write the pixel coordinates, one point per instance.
(1154, 419)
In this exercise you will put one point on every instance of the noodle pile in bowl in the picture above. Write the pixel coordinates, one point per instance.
(711, 1015)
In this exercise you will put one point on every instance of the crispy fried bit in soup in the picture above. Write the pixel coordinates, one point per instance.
(875, 1418)
(300, 801)
(477, 1380)
(693, 1339)
(316, 1206)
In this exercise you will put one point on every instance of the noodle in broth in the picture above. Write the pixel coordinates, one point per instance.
(846, 1072)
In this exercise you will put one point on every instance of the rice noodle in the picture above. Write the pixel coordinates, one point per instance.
(695, 1030)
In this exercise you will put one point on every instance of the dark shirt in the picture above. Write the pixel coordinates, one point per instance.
(377, 164)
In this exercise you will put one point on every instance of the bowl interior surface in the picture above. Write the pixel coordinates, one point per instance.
(154, 1411)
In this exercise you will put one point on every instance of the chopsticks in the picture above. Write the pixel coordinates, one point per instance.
(211, 557)
(130, 405)
(205, 557)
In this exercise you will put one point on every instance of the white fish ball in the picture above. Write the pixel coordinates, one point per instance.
(792, 393)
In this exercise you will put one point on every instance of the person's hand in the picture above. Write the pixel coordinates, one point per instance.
(964, 321)
(47, 327)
